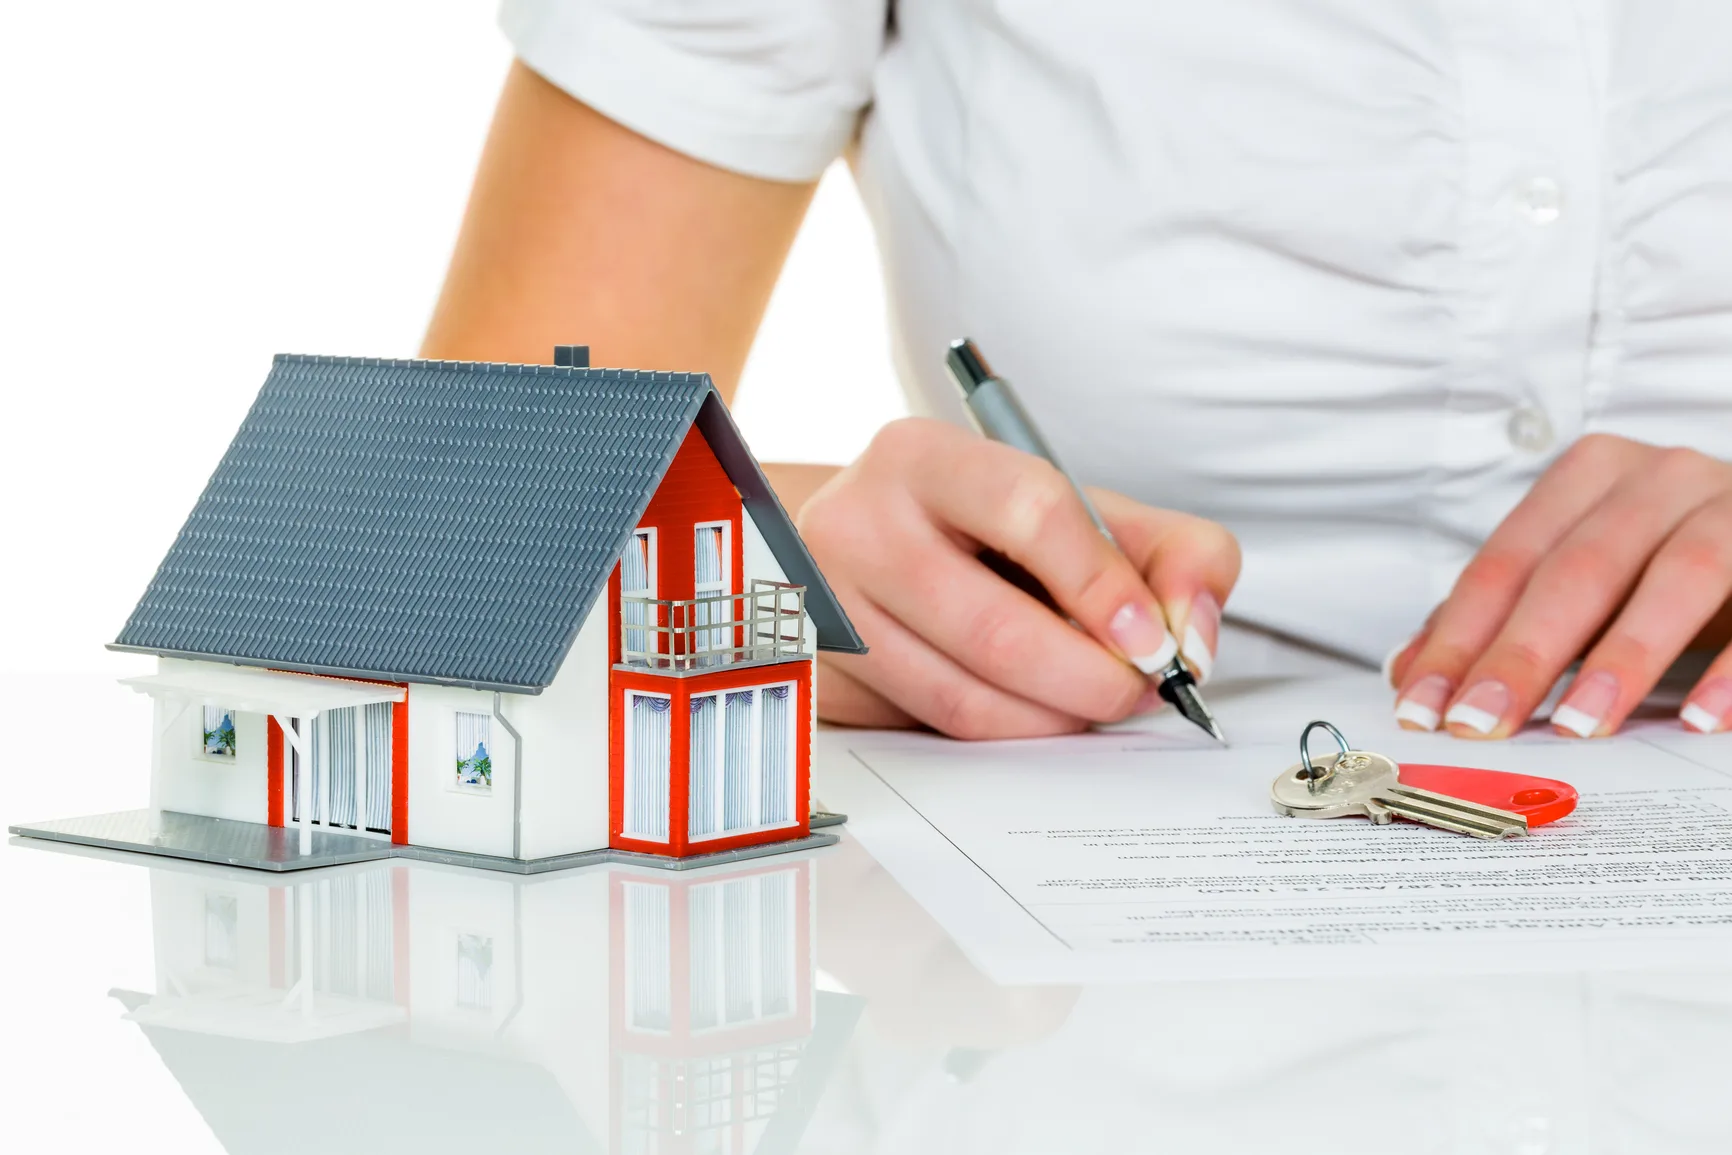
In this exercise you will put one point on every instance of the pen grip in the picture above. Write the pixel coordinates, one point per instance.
(999, 415)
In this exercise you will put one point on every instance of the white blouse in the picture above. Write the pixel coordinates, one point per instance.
(1345, 275)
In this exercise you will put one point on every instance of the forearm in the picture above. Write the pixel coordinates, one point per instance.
(579, 230)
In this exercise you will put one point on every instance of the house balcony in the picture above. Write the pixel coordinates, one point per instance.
(765, 624)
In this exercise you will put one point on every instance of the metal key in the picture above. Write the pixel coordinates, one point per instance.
(1360, 782)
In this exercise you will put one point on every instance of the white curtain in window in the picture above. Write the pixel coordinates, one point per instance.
(701, 815)
(378, 723)
(649, 972)
(634, 581)
(737, 761)
(647, 771)
(313, 730)
(776, 756)
(345, 809)
(474, 751)
(709, 578)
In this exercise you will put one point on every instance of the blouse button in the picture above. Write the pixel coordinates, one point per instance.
(1529, 430)
(1540, 199)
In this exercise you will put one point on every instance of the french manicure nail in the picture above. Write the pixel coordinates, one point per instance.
(1707, 708)
(1422, 706)
(1144, 640)
(1481, 708)
(1589, 699)
(1202, 634)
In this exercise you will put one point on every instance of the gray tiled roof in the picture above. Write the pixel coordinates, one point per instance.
(436, 521)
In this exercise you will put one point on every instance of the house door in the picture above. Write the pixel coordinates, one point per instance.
(351, 770)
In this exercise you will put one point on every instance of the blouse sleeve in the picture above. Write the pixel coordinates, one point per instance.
(770, 88)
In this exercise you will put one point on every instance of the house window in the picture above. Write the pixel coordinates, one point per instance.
(474, 763)
(637, 579)
(648, 746)
(474, 972)
(710, 579)
(218, 734)
(742, 761)
(350, 771)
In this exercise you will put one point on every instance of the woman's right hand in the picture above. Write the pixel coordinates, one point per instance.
(956, 647)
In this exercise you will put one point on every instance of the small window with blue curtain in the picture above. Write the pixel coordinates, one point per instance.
(217, 736)
(474, 759)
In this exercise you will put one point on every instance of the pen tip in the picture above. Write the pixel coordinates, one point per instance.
(1180, 688)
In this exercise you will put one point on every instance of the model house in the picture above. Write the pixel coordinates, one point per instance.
(507, 615)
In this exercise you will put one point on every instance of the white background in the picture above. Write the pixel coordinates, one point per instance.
(190, 186)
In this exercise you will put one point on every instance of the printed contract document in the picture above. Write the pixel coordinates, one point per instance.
(1147, 852)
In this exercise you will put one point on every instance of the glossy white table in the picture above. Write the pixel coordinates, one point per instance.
(798, 1003)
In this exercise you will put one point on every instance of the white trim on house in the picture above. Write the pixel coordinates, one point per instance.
(261, 692)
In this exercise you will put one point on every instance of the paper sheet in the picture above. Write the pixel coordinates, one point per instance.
(1145, 853)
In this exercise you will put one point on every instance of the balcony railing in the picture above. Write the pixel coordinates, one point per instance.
(763, 624)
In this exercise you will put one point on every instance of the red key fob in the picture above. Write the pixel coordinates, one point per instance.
(1542, 800)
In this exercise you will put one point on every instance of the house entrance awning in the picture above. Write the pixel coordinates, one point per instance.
(263, 692)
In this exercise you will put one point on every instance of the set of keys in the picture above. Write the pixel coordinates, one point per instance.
(1482, 803)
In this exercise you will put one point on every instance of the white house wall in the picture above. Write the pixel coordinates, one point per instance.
(565, 758)
(761, 563)
(440, 814)
(193, 784)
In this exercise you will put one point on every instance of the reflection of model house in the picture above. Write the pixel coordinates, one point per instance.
(501, 611)
(609, 1010)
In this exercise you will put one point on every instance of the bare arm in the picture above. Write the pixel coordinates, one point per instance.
(581, 231)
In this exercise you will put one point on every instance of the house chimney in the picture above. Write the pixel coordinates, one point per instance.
(571, 356)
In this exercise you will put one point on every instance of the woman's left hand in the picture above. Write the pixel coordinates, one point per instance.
(1621, 555)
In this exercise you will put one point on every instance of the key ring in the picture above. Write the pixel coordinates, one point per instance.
(1314, 778)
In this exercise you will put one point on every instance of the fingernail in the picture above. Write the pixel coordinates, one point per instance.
(1590, 698)
(1422, 705)
(1707, 708)
(1202, 634)
(1481, 708)
(1143, 639)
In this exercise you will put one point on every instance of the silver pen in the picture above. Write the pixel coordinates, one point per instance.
(999, 415)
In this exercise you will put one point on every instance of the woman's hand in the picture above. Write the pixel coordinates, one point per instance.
(1621, 550)
(957, 647)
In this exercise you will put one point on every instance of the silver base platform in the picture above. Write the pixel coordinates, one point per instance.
(278, 848)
